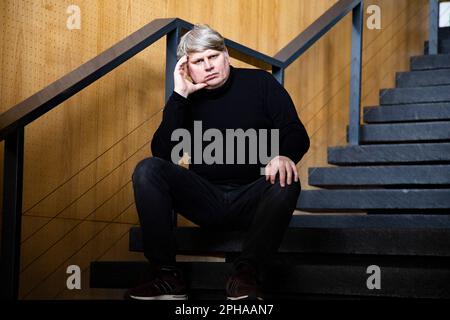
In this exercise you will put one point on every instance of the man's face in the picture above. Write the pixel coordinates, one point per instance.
(210, 66)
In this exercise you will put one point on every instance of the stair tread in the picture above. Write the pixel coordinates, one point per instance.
(374, 199)
(427, 62)
(372, 234)
(444, 33)
(406, 132)
(407, 112)
(343, 276)
(389, 153)
(379, 175)
(425, 278)
(433, 94)
(423, 78)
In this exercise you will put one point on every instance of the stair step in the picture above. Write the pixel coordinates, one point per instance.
(406, 132)
(377, 199)
(415, 95)
(399, 277)
(444, 33)
(424, 235)
(376, 176)
(423, 78)
(390, 154)
(407, 112)
(444, 47)
(428, 62)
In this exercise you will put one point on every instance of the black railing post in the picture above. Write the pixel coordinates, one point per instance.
(433, 22)
(355, 74)
(172, 40)
(171, 59)
(278, 73)
(12, 214)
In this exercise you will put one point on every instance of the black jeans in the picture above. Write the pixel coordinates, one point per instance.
(261, 208)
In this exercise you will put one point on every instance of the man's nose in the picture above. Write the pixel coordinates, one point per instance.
(207, 64)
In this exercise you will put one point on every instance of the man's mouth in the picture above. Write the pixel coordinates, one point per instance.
(212, 76)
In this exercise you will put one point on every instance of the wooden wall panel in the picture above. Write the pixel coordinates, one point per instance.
(78, 199)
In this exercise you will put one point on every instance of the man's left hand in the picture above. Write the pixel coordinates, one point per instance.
(285, 167)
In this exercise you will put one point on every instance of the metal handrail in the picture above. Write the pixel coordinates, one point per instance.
(315, 31)
(62, 89)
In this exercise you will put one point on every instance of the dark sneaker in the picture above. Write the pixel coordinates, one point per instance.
(243, 284)
(166, 285)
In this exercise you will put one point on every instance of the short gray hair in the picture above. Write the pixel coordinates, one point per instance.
(202, 37)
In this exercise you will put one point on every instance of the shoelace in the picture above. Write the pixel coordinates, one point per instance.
(233, 285)
(163, 285)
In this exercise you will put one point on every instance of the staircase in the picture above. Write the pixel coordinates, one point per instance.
(398, 178)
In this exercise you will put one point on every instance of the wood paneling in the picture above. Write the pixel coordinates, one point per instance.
(78, 200)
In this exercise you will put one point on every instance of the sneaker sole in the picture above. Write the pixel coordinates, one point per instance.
(242, 298)
(163, 297)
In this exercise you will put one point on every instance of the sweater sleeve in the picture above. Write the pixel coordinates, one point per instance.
(174, 116)
(294, 140)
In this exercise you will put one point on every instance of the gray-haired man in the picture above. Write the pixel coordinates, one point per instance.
(223, 194)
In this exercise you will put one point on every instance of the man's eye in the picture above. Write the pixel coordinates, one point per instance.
(198, 61)
(214, 56)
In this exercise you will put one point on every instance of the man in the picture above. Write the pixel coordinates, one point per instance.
(223, 195)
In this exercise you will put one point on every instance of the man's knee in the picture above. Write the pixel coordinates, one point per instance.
(148, 167)
(287, 195)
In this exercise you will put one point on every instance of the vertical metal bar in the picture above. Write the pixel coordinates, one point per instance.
(172, 41)
(12, 215)
(171, 59)
(433, 21)
(278, 73)
(355, 74)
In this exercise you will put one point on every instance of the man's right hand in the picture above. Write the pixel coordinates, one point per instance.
(183, 86)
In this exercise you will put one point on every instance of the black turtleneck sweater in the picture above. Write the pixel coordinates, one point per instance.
(249, 98)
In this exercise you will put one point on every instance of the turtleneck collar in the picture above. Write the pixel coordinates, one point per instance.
(210, 93)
